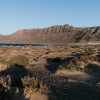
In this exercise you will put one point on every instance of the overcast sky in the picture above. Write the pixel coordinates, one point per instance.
(24, 14)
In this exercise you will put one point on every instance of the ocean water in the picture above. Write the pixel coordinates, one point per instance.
(19, 45)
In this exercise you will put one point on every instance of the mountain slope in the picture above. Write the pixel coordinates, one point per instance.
(53, 35)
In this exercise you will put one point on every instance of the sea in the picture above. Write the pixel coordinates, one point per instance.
(20, 45)
(34, 45)
(39, 45)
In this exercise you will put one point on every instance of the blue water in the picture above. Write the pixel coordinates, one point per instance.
(19, 45)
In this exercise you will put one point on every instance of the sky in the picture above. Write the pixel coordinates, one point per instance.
(27, 14)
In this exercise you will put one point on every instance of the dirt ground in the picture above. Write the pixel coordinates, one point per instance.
(69, 72)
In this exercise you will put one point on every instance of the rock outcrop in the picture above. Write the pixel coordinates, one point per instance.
(53, 35)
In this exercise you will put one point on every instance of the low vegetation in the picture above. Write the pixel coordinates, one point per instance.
(19, 60)
(34, 85)
(60, 72)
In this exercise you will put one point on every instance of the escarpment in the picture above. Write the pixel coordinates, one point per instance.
(58, 34)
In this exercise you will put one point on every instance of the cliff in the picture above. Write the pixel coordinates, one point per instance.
(53, 35)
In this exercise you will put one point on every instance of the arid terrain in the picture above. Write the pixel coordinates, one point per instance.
(50, 73)
(58, 34)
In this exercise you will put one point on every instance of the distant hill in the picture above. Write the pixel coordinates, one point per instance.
(53, 35)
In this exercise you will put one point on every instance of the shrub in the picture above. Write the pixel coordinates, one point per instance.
(34, 85)
(3, 92)
(19, 60)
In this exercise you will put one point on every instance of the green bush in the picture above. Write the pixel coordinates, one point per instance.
(19, 60)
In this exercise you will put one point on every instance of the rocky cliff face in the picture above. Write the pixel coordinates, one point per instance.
(54, 35)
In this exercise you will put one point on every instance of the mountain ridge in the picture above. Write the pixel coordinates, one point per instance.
(57, 34)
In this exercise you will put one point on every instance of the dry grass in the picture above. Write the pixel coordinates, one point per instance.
(34, 85)
(71, 70)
